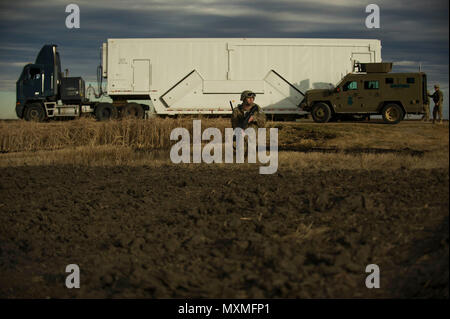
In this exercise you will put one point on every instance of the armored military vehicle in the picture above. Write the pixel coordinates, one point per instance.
(371, 89)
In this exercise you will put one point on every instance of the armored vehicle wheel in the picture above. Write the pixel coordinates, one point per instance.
(392, 114)
(35, 112)
(105, 111)
(133, 110)
(321, 113)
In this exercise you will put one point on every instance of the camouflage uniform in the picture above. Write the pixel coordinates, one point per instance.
(426, 108)
(238, 116)
(259, 119)
(438, 98)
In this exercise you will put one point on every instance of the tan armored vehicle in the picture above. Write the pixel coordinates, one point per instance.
(370, 90)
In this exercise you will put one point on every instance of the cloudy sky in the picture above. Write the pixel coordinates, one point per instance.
(411, 32)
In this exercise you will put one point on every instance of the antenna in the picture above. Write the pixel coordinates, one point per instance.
(420, 66)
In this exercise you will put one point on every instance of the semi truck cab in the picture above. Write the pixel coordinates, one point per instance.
(43, 93)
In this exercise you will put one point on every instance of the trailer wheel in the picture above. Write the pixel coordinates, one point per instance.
(392, 114)
(34, 112)
(321, 113)
(133, 110)
(105, 111)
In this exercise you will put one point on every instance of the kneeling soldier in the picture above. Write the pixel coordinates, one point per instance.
(257, 118)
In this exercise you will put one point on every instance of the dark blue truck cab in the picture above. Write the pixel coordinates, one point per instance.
(43, 92)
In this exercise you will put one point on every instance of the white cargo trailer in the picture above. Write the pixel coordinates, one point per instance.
(191, 76)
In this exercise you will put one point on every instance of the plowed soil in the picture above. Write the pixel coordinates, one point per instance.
(209, 231)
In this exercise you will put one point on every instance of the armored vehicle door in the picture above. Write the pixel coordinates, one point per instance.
(412, 98)
(348, 95)
(370, 94)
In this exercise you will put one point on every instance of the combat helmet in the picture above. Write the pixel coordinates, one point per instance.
(436, 86)
(247, 93)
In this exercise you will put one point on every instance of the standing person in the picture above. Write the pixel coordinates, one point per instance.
(438, 98)
(257, 119)
(426, 108)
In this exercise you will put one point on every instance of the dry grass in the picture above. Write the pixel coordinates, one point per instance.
(105, 155)
(339, 161)
(407, 134)
(108, 155)
(147, 142)
(16, 136)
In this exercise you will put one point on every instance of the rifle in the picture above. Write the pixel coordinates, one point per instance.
(244, 123)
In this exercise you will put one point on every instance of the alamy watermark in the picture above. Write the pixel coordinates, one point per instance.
(373, 19)
(73, 19)
(373, 280)
(73, 279)
(212, 151)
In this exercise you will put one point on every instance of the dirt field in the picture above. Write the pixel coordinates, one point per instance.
(345, 195)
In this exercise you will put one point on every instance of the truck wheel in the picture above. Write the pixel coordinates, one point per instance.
(133, 110)
(105, 111)
(321, 113)
(392, 114)
(34, 112)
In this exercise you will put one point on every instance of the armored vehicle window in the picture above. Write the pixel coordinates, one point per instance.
(389, 81)
(410, 80)
(352, 85)
(371, 85)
